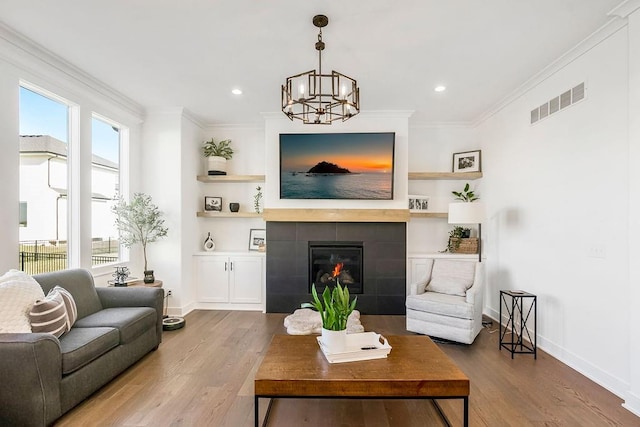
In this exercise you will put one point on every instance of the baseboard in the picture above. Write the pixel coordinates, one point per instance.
(632, 403)
(181, 311)
(595, 374)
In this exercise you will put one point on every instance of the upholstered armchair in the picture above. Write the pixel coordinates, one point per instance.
(447, 302)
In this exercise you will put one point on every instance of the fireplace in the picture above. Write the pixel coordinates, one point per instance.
(335, 262)
(381, 271)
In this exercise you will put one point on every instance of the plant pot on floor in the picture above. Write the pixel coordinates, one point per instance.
(216, 165)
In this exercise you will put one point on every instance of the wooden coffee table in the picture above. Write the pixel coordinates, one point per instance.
(294, 367)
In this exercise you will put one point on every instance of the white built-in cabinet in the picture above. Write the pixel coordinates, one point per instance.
(230, 280)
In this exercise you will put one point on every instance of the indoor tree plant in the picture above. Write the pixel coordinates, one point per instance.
(139, 221)
(217, 154)
(334, 309)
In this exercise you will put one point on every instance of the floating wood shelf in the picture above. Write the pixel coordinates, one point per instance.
(208, 214)
(444, 175)
(230, 178)
(429, 214)
(337, 215)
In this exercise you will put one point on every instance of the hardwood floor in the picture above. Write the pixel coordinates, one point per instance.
(202, 375)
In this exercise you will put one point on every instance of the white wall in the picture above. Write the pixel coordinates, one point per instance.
(557, 198)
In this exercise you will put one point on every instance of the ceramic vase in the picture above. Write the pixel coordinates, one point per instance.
(216, 165)
(334, 341)
(208, 243)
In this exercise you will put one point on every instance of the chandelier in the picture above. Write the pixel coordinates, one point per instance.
(317, 98)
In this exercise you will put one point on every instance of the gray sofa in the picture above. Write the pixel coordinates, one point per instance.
(42, 377)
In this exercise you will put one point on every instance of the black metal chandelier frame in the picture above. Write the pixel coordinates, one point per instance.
(320, 98)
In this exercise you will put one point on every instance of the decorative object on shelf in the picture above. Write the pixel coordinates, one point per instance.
(234, 207)
(461, 242)
(213, 204)
(149, 276)
(465, 211)
(320, 98)
(334, 309)
(120, 276)
(468, 161)
(217, 154)
(466, 195)
(256, 199)
(139, 221)
(209, 244)
(418, 203)
(257, 238)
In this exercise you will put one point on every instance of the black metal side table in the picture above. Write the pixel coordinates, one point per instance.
(519, 306)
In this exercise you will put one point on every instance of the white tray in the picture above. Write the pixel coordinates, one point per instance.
(362, 346)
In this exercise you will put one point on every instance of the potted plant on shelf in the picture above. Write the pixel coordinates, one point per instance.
(466, 195)
(139, 221)
(217, 154)
(334, 309)
(455, 238)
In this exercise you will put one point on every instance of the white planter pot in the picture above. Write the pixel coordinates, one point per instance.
(334, 341)
(216, 165)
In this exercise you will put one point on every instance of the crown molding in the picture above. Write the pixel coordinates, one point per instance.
(625, 8)
(26, 54)
(591, 41)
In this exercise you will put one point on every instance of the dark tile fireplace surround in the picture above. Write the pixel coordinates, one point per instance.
(384, 246)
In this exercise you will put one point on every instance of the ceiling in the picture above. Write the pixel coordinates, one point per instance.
(192, 53)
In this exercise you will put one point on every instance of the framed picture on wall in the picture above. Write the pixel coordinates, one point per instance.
(213, 203)
(468, 161)
(418, 203)
(257, 239)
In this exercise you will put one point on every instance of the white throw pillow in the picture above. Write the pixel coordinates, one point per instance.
(18, 292)
(451, 277)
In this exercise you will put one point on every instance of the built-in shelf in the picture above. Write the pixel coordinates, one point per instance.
(230, 178)
(209, 214)
(444, 175)
(429, 214)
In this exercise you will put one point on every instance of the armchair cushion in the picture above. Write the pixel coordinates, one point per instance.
(451, 277)
(442, 304)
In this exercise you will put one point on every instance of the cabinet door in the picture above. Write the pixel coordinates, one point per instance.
(245, 280)
(213, 278)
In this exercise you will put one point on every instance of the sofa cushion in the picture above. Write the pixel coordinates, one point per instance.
(70, 305)
(49, 315)
(451, 277)
(80, 346)
(79, 283)
(131, 322)
(18, 292)
(442, 304)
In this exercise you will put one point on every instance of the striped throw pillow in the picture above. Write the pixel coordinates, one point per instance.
(70, 305)
(49, 315)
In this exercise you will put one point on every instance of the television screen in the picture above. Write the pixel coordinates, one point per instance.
(337, 166)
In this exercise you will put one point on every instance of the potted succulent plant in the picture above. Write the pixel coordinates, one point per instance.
(217, 154)
(334, 309)
(139, 221)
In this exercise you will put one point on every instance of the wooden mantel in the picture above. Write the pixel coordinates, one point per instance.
(336, 215)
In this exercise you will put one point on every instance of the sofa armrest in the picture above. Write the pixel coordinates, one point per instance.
(113, 297)
(31, 371)
(475, 294)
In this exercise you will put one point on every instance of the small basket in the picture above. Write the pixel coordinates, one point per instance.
(467, 245)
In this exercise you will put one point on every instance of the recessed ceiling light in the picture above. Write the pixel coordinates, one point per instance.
(236, 92)
(440, 88)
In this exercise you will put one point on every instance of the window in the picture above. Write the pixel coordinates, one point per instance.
(44, 131)
(105, 187)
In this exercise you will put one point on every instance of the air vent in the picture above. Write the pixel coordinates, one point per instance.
(558, 103)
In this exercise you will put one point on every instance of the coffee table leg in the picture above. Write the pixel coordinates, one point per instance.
(256, 411)
(466, 411)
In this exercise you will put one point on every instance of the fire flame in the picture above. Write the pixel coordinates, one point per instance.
(337, 269)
